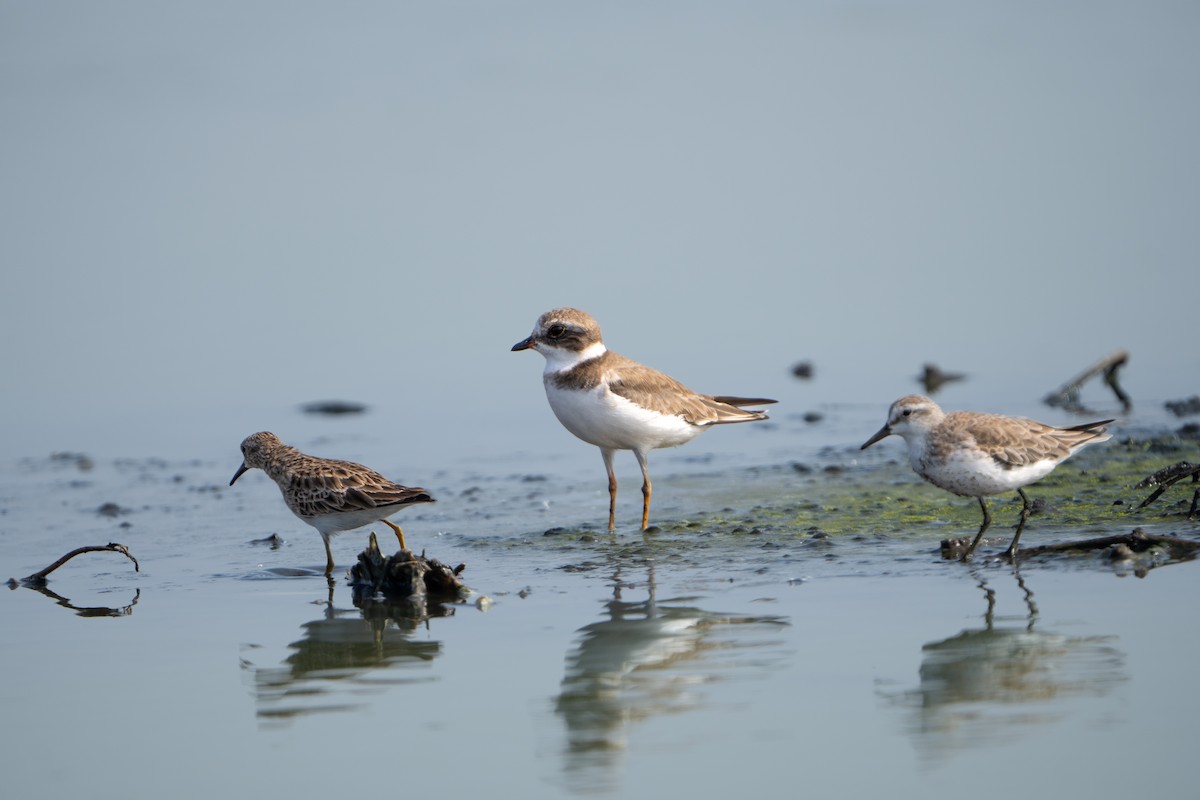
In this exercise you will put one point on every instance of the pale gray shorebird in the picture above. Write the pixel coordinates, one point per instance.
(977, 455)
(332, 496)
(618, 404)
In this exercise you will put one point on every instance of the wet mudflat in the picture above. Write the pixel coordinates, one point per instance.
(785, 624)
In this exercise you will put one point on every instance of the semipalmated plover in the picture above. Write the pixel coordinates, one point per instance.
(618, 404)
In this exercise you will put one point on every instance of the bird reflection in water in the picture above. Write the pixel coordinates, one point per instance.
(646, 658)
(343, 655)
(985, 685)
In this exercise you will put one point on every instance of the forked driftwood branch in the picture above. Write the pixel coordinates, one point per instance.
(1168, 477)
(1067, 395)
(39, 578)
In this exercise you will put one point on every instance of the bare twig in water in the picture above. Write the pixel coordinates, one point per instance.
(1137, 541)
(1168, 477)
(1067, 395)
(1118, 547)
(39, 578)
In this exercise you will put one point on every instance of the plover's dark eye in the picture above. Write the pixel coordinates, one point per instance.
(908, 412)
(556, 331)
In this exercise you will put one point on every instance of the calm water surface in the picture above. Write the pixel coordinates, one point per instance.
(710, 660)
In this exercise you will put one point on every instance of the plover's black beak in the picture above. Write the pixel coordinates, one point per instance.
(241, 470)
(882, 433)
(524, 344)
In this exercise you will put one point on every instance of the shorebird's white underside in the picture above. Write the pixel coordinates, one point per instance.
(599, 417)
(971, 473)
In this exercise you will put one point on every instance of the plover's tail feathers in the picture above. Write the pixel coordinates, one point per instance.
(729, 409)
(739, 402)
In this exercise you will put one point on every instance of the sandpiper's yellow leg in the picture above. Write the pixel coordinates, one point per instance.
(399, 533)
(328, 558)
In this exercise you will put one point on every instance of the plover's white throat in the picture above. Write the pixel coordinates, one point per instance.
(332, 496)
(618, 404)
(976, 455)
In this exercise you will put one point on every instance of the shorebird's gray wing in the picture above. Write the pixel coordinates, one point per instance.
(1016, 442)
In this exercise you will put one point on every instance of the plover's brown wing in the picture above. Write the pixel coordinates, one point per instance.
(659, 392)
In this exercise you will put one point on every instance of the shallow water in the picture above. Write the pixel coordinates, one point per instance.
(731, 649)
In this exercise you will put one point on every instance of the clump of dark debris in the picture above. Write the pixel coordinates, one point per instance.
(405, 576)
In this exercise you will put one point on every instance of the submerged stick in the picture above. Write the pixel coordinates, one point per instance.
(1067, 395)
(39, 578)
(1137, 541)
(1120, 546)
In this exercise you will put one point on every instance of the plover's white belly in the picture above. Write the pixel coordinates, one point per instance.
(972, 473)
(599, 417)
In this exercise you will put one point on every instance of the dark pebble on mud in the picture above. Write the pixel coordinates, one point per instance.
(803, 469)
(110, 510)
(812, 417)
(1040, 506)
(803, 370)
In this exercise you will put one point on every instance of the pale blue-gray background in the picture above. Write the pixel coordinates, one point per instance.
(215, 211)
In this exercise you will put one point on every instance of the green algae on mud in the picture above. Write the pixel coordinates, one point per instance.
(1093, 492)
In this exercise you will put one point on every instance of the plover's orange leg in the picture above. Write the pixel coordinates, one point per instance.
(399, 533)
(1025, 509)
(646, 488)
(987, 520)
(612, 487)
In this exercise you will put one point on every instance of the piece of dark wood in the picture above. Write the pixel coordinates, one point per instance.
(1067, 395)
(39, 578)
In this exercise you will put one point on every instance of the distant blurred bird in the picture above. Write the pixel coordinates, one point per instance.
(933, 378)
